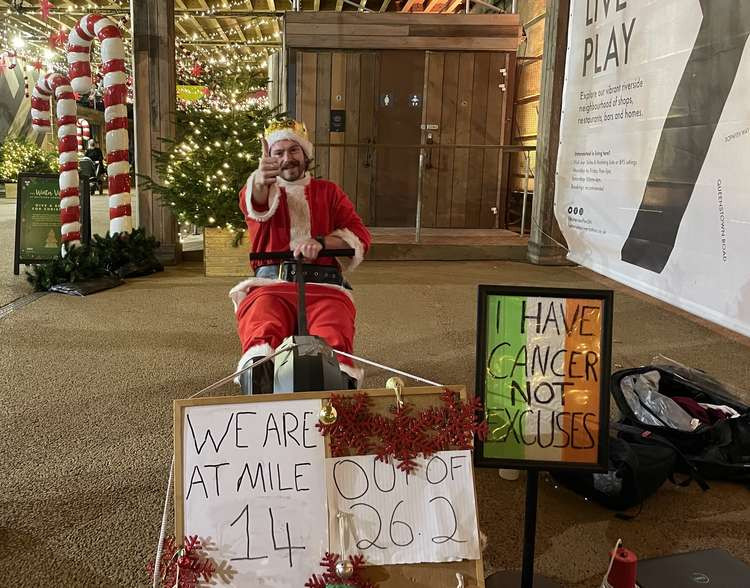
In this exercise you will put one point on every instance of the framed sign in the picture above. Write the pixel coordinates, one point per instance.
(37, 219)
(543, 367)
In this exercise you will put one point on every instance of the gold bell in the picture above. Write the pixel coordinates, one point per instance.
(327, 414)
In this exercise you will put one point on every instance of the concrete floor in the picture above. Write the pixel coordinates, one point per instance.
(87, 386)
(86, 417)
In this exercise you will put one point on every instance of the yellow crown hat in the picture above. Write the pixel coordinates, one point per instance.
(290, 129)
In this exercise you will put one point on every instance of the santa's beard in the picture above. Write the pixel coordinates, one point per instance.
(292, 172)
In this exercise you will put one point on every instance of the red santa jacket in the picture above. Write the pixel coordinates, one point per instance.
(297, 211)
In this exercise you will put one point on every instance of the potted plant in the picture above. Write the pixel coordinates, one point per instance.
(19, 155)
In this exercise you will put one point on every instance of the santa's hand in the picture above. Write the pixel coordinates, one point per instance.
(308, 249)
(269, 168)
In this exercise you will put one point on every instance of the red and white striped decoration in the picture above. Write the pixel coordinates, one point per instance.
(115, 112)
(84, 134)
(70, 208)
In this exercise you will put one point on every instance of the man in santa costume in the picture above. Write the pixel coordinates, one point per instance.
(287, 209)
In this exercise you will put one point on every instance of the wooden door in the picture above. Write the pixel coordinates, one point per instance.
(465, 104)
(327, 84)
(398, 115)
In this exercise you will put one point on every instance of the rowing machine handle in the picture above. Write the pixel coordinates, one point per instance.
(281, 255)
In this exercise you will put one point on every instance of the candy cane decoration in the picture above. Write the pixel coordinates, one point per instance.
(59, 85)
(115, 111)
(84, 134)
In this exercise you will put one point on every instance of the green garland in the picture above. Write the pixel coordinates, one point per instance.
(121, 255)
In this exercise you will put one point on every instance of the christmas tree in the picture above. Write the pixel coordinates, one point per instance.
(217, 146)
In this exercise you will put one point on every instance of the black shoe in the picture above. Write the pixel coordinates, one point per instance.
(257, 380)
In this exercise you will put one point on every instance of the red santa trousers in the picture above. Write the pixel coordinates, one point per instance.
(268, 314)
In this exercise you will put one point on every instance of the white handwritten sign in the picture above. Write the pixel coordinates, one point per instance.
(253, 481)
(395, 518)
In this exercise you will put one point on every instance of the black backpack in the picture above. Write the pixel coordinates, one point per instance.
(720, 451)
(639, 462)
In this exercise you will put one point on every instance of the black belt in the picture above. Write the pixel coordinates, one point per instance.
(319, 274)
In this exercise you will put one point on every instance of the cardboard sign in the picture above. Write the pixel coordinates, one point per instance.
(37, 219)
(254, 480)
(543, 366)
(395, 517)
(252, 487)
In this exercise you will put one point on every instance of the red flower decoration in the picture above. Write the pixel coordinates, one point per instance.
(44, 8)
(37, 65)
(58, 40)
(182, 566)
(206, 91)
(406, 435)
(331, 577)
(197, 70)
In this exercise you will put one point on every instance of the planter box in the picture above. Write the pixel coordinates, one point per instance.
(11, 190)
(220, 258)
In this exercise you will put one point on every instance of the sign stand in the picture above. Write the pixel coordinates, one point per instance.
(527, 578)
(543, 360)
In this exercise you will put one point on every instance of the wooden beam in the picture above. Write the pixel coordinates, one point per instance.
(384, 6)
(339, 5)
(316, 6)
(454, 5)
(410, 4)
(436, 6)
(545, 230)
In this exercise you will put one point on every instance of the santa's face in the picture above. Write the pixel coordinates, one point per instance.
(291, 158)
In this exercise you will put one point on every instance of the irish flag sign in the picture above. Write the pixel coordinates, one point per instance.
(543, 366)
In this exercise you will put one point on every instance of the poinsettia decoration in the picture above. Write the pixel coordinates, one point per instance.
(330, 579)
(407, 434)
(197, 70)
(182, 566)
(58, 40)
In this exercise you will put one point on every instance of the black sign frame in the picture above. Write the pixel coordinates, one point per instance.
(18, 260)
(605, 355)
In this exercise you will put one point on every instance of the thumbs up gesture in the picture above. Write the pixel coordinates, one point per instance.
(269, 168)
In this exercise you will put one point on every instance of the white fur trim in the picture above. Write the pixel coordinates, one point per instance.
(273, 200)
(348, 264)
(264, 349)
(290, 135)
(299, 213)
(241, 290)
(357, 373)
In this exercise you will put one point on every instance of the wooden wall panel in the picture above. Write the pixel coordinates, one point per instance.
(447, 137)
(435, 64)
(477, 137)
(351, 154)
(307, 90)
(463, 136)
(492, 157)
(369, 69)
(337, 102)
(323, 107)
(444, 32)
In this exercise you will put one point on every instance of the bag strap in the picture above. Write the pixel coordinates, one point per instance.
(653, 437)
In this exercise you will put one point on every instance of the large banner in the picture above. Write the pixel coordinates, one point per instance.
(653, 185)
